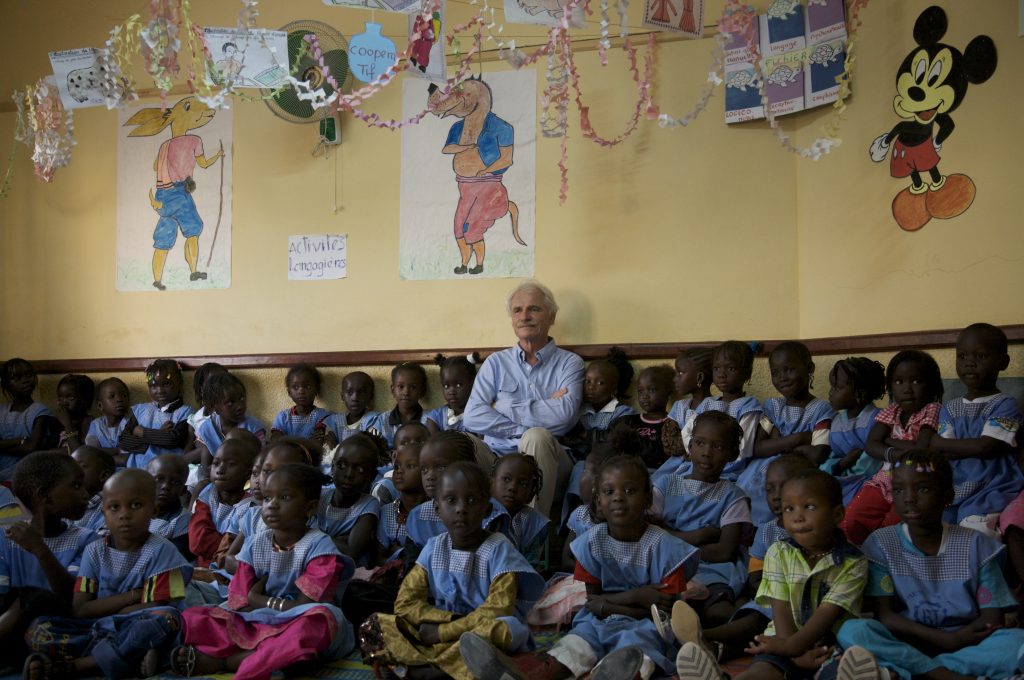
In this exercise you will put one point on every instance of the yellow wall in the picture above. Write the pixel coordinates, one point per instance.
(691, 234)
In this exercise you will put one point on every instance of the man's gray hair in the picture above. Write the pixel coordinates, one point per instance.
(533, 284)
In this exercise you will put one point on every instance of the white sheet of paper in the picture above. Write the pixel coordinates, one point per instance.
(77, 76)
(543, 12)
(258, 58)
(317, 257)
(400, 6)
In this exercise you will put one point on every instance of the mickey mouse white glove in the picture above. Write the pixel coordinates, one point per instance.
(879, 149)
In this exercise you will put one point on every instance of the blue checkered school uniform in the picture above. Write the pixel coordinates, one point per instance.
(424, 523)
(220, 511)
(290, 423)
(847, 434)
(581, 520)
(392, 531)
(460, 580)
(17, 425)
(592, 419)
(445, 418)
(211, 434)
(691, 504)
(740, 408)
(337, 522)
(338, 424)
(153, 417)
(624, 565)
(172, 525)
(944, 591)
(93, 519)
(284, 568)
(766, 534)
(20, 568)
(386, 424)
(982, 486)
(682, 412)
(528, 531)
(787, 420)
(104, 436)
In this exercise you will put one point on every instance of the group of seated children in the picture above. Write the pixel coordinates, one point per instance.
(695, 532)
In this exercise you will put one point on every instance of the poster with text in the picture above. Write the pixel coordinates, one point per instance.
(173, 197)
(468, 179)
(78, 75)
(247, 57)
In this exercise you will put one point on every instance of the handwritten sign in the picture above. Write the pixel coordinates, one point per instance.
(317, 257)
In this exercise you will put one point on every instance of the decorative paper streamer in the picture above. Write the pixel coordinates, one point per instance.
(714, 80)
(52, 128)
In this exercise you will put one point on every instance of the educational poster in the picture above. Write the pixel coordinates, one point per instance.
(543, 12)
(401, 6)
(255, 58)
(782, 28)
(173, 197)
(784, 82)
(78, 76)
(932, 81)
(468, 179)
(427, 57)
(677, 16)
(742, 99)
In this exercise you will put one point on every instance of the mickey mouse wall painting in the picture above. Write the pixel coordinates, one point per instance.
(931, 83)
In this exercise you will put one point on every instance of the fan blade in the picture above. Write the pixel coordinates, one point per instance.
(289, 102)
(337, 61)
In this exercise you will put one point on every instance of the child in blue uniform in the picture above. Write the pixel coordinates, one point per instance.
(23, 422)
(796, 421)
(605, 386)
(466, 580)
(457, 376)
(305, 419)
(39, 559)
(105, 431)
(855, 383)
(98, 466)
(515, 481)
(225, 396)
(280, 607)
(171, 518)
(125, 602)
(75, 394)
(408, 385)
(937, 589)
(732, 364)
(357, 393)
(408, 436)
(711, 513)
(391, 529)
(978, 432)
(692, 382)
(628, 565)
(161, 426)
(231, 468)
(347, 512)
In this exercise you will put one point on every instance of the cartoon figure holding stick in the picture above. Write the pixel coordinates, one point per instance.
(482, 146)
(174, 166)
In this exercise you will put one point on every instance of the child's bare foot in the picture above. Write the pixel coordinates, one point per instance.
(41, 667)
(186, 660)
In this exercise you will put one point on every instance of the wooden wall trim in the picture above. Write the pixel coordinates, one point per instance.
(855, 344)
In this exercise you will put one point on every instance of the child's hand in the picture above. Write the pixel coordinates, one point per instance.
(672, 439)
(166, 426)
(258, 588)
(65, 418)
(653, 594)
(429, 634)
(848, 461)
(26, 536)
(768, 644)
(971, 634)
(138, 431)
(813, 658)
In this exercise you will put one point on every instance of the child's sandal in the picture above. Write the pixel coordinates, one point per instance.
(184, 667)
(47, 669)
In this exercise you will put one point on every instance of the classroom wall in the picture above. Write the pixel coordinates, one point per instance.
(675, 235)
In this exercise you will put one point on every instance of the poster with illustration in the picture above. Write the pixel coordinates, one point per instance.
(78, 76)
(468, 179)
(932, 81)
(247, 57)
(742, 99)
(173, 197)
(543, 12)
(426, 60)
(677, 16)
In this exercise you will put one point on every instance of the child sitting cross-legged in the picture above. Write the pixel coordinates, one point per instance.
(813, 581)
(125, 599)
(466, 580)
(279, 610)
(937, 590)
(627, 566)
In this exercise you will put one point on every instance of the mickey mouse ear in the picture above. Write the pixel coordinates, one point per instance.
(930, 26)
(980, 59)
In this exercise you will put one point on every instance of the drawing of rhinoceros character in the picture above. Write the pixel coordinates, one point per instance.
(780, 9)
(823, 55)
(782, 76)
(740, 80)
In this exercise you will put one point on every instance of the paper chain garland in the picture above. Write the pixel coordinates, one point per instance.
(43, 124)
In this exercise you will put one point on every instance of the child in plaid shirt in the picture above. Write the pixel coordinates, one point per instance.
(813, 582)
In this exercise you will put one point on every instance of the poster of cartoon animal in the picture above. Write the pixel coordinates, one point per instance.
(931, 83)
(468, 179)
(678, 16)
(78, 75)
(173, 197)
